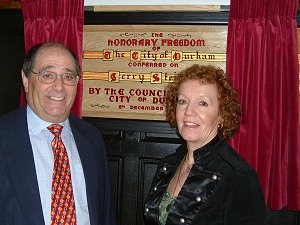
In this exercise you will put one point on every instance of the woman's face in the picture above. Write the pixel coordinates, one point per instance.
(197, 113)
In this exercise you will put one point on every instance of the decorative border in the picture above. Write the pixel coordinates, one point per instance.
(10, 4)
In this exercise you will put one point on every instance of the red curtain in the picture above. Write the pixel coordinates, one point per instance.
(262, 62)
(55, 20)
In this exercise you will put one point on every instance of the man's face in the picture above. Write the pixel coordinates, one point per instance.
(51, 102)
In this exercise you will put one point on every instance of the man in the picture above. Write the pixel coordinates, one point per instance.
(49, 176)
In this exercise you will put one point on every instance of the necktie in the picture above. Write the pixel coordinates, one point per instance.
(62, 198)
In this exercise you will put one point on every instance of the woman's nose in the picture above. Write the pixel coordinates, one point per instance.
(190, 109)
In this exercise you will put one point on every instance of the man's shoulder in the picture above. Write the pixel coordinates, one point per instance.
(82, 125)
(13, 117)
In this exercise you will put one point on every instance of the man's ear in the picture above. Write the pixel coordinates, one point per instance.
(24, 80)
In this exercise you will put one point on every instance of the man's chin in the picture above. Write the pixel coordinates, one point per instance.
(57, 116)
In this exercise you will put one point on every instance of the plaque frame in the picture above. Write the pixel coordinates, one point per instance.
(153, 18)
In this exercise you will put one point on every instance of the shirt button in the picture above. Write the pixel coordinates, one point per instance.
(214, 177)
(147, 210)
(198, 199)
(164, 168)
(182, 220)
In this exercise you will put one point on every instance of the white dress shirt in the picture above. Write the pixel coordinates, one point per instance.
(40, 138)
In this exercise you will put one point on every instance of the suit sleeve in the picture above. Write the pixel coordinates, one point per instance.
(110, 217)
(245, 204)
(109, 212)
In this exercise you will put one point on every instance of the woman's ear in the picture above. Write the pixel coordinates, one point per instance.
(220, 122)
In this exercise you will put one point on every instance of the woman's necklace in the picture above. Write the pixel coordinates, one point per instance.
(178, 178)
(187, 170)
(178, 184)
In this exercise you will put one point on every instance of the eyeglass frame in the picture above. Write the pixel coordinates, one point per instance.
(77, 77)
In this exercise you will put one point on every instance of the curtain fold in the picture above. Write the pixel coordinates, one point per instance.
(262, 63)
(56, 20)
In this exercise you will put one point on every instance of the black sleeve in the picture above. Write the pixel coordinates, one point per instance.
(245, 204)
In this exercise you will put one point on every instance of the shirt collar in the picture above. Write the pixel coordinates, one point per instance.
(36, 124)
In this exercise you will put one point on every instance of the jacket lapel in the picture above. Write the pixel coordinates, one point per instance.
(21, 171)
(89, 166)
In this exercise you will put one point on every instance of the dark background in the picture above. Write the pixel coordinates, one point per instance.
(133, 146)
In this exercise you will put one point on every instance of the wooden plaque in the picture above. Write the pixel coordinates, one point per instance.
(126, 67)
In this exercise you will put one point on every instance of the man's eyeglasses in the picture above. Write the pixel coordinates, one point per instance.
(48, 77)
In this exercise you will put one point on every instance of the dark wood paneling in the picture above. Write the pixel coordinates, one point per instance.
(147, 168)
(137, 146)
(184, 18)
(116, 174)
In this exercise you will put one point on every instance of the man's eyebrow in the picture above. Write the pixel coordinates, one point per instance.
(69, 70)
(47, 67)
(53, 67)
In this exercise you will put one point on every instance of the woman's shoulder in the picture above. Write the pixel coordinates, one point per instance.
(235, 161)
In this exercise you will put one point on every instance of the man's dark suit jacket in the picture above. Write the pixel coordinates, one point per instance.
(20, 202)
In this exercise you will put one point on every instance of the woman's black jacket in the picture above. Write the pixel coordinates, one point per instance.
(221, 189)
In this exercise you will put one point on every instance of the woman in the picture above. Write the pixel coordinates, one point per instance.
(205, 182)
